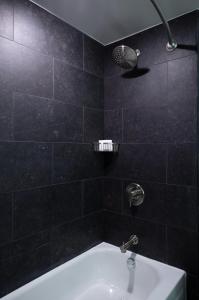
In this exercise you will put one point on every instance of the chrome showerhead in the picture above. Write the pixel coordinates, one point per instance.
(125, 57)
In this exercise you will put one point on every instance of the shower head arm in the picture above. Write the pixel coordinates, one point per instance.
(171, 45)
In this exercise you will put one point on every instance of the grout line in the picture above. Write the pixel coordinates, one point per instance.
(82, 198)
(12, 114)
(83, 63)
(53, 69)
(51, 228)
(46, 142)
(61, 59)
(151, 221)
(167, 163)
(56, 100)
(52, 164)
(109, 77)
(90, 143)
(122, 111)
(149, 181)
(122, 198)
(13, 214)
(51, 185)
(83, 124)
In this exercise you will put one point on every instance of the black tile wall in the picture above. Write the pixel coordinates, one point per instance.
(182, 159)
(31, 212)
(93, 124)
(60, 91)
(51, 110)
(39, 30)
(146, 162)
(66, 202)
(19, 270)
(24, 245)
(24, 165)
(153, 208)
(182, 99)
(113, 125)
(93, 57)
(5, 114)
(63, 244)
(77, 87)
(75, 161)
(181, 255)
(5, 217)
(181, 207)
(152, 236)
(113, 194)
(155, 109)
(25, 70)
(41, 119)
(93, 195)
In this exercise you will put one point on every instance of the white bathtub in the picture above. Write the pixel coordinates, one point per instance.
(102, 274)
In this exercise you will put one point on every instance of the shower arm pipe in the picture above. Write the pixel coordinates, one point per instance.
(171, 45)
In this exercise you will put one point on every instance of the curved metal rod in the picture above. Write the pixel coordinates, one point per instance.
(171, 45)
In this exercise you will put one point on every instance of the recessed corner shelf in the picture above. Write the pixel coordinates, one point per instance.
(106, 147)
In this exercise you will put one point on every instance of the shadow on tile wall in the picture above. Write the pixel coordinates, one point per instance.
(152, 112)
(51, 93)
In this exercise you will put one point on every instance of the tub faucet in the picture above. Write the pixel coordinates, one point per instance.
(132, 241)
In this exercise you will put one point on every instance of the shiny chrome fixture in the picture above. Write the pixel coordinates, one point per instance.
(135, 194)
(132, 242)
(172, 44)
(127, 58)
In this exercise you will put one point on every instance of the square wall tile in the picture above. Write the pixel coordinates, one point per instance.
(25, 70)
(113, 125)
(32, 211)
(77, 87)
(183, 249)
(42, 119)
(24, 165)
(76, 161)
(182, 99)
(113, 194)
(93, 125)
(93, 57)
(181, 207)
(92, 195)
(5, 114)
(63, 244)
(66, 202)
(138, 161)
(182, 162)
(42, 31)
